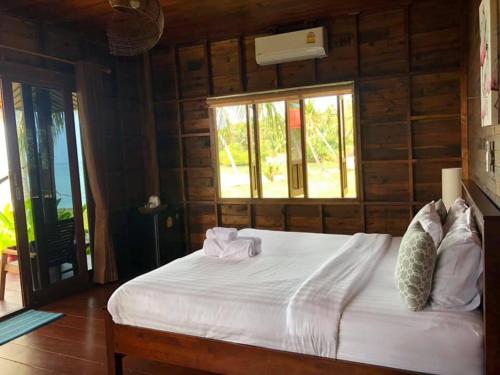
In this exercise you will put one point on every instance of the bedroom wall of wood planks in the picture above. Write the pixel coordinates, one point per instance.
(407, 63)
(488, 181)
(22, 45)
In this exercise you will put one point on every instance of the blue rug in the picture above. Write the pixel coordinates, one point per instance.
(24, 323)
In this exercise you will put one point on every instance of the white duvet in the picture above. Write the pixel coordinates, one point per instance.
(315, 309)
(278, 300)
(241, 301)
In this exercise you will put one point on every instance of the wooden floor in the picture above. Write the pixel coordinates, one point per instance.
(12, 299)
(74, 344)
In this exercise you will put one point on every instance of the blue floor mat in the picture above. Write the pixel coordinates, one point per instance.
(24, 323)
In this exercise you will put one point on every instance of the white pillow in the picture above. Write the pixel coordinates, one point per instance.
(430, 221)
(456, 282)
(464, 220)
(441, 210)
(456, 210)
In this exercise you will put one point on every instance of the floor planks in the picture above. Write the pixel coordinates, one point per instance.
(74, 344)
(12, 299)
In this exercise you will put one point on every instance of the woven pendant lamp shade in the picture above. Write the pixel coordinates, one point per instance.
(136, 26)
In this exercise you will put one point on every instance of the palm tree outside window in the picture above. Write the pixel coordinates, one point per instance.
(300, 145)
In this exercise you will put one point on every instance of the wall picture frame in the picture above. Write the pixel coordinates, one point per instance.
(488, 55)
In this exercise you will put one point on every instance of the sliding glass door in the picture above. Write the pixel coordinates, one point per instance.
(47, 189)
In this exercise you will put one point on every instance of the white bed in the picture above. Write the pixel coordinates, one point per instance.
(247, 302)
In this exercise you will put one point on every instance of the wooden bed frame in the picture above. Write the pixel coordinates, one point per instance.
(231, 358)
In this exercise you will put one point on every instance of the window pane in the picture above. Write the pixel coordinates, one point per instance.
(350, 192)
(322, 139)
(83, 184)
(233, 151)
(295, 149)
(47, 186)
(7, 225)
(272, 138)
(253, 153)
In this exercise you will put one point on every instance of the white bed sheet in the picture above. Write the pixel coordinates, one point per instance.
(377, 328)
(242, 301)
(246, 302)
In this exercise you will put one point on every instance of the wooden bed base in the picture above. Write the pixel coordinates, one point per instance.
(232, 358)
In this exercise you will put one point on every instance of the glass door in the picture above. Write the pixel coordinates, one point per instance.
(11, 294)
(47, 189)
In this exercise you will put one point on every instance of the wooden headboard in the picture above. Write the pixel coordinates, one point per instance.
(487, 217)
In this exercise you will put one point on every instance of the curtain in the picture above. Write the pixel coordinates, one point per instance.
(150, 149)
(89, 83)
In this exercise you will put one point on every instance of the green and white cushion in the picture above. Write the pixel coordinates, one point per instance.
(415, 267)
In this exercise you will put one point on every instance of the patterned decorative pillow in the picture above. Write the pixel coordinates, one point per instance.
(441, 210)
(415, 267)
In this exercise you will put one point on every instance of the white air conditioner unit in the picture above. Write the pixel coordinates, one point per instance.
(294, 46)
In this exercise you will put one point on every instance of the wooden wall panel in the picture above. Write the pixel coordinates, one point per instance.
(296, 74)
(197, 152)
(234, 215)
(201, 217)
(166, 118)
(435, 35)
(341, 63)
(57, 43)
(37, 38)
(436, 94)
(407, 72)
(387, 219)
(200, 185)
(386, 182)
(385, 141)
(266, 216)
(226, 65)
(436, 138)
(383, 100)
(163, 67)
(382, 42)
(18, 33)
(301, 218)
(343, 219)
(193, 71)
(195, 117)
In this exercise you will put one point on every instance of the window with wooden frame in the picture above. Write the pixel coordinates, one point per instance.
(298, 143)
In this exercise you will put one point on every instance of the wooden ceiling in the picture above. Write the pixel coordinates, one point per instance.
(191, 20)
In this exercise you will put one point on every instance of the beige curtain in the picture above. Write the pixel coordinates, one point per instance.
(89, 83)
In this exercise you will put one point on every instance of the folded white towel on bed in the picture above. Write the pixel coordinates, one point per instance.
(242, 247)
(239, 248)
(223, 234)
(213, 247)
(257, 244)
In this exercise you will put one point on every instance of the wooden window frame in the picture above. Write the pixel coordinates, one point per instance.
(286, 95)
